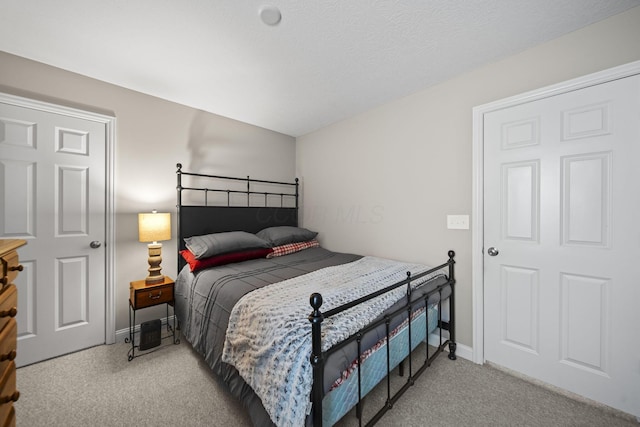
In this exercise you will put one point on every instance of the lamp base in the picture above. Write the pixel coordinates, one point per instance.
(155, 258)
(149, 280)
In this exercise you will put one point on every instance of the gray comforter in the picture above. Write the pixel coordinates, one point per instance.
(204, 302)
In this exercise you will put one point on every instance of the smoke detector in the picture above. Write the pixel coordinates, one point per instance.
(270, 15)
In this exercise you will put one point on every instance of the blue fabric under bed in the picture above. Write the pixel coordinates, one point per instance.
(340, 400)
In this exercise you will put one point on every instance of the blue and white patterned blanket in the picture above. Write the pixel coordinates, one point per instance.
(268, 339)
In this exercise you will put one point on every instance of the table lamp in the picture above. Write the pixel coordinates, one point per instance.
(154, 227)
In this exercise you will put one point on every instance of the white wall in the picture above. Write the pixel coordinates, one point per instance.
(383, 182)
(380, 183)
(152, 135)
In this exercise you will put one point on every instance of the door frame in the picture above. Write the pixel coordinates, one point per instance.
(110, 128)
(477, 207)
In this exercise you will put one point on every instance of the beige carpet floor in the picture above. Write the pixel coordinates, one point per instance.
(173, 387)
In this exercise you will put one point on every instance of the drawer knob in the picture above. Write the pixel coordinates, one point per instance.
(10, 398)
(9, 356)
(10, 313)
(18, 267)
(155, 296)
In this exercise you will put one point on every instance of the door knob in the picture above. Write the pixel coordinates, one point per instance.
(492, 251)
(95, 244)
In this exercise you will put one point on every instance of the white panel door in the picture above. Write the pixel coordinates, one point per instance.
(561, 204)
(52, 172)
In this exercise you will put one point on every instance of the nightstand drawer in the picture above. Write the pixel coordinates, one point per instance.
(141, 298)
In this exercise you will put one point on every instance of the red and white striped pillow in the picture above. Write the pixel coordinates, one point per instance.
(290, 248)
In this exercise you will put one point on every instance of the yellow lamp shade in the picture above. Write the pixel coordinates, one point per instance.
(154, 227)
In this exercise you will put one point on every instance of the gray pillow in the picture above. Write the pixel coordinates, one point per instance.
(220, 243)
(286, 234)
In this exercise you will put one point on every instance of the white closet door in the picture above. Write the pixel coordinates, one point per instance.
(561, 204)
(52, 168)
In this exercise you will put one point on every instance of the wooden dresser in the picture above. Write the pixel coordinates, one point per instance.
(9, 268)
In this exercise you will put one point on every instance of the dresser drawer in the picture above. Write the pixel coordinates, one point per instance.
(141, 298)
(11, 419)
(10, 267)
(8, 305)
(8, 343)
(8, 392)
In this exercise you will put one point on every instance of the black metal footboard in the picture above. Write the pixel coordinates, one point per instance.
(318, 357)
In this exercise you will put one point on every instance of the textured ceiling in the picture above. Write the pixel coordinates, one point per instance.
(325, 61)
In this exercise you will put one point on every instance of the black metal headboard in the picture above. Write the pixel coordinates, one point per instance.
(252, 215)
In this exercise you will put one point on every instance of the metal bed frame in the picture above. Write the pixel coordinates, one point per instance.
(318, 356)
(232, 218)
(198, 219)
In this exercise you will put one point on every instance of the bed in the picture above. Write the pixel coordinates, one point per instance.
(298, 333)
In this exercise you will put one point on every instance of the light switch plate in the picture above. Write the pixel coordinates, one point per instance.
(458, 222)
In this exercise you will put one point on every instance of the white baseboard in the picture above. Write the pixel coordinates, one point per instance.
(121, 334)
(462, 350)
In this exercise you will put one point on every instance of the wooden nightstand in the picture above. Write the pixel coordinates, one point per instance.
(141, 296)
